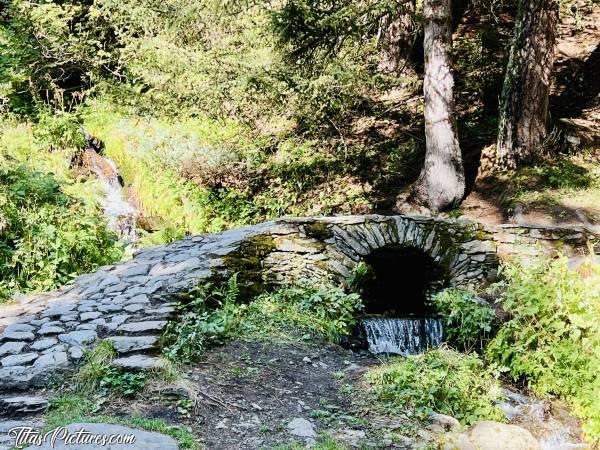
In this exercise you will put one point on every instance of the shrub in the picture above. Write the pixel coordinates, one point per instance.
(206, 318)
(59, 131)
(319, 309)
(468, 320)
(45, 239)
(552, 340)
(440, 380)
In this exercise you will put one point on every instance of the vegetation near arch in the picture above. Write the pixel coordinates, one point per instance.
(203, 115)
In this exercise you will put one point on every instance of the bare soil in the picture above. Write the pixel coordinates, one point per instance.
(246, 393)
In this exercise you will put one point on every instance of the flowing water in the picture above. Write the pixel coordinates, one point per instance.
(122, 215)
(408, 336)
(552, 432)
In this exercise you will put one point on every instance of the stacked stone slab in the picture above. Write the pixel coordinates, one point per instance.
(130, 303)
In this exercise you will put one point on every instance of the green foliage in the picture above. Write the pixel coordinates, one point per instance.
(206, 317)
(124, 384)
(552, 340)
(323, 443)
(45, 241)
(311, 29)
(565, 174)
(59, 131)
(440, 380)
(359, 275)
(203, 184)
(97, 375)
(469, 322)
(52, 52)
(210, 314)
(319, 309)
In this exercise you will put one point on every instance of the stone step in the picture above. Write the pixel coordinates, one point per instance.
(138, 363)
(140, 328)
(130, 344)
(22, 405)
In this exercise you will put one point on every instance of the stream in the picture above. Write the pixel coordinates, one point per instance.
(550, 425)
(122, 215)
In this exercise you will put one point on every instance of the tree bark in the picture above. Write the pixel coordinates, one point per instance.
(524, 101)
(396, 38)
(441, 183)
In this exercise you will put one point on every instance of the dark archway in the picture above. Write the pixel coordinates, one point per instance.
(399, 282)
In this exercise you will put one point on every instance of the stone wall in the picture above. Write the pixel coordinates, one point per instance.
(132, 302)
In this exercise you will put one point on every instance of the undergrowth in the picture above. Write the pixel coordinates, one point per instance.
(211, 314)
(319, 310)
(469, 321)
(552, 340)
(47, 237)
(207, 317)
(440, 380)
(99, 379)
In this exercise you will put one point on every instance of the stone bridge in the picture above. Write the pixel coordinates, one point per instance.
(131, 302)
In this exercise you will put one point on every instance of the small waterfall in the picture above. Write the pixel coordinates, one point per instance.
(402, 336)
(122, 215)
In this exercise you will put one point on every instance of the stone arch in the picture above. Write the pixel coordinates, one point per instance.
(450, 245)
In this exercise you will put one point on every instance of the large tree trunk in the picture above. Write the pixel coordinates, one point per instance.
(441, 183)
(524, 102)
(396, 38)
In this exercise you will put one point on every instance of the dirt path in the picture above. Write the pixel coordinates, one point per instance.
(248, 393)
(255, 390)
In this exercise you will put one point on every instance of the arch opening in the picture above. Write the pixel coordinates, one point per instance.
(400, 282)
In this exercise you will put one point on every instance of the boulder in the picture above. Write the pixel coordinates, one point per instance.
(490, 435)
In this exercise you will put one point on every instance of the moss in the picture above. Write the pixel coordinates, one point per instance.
(247, 263)
(318, 230)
